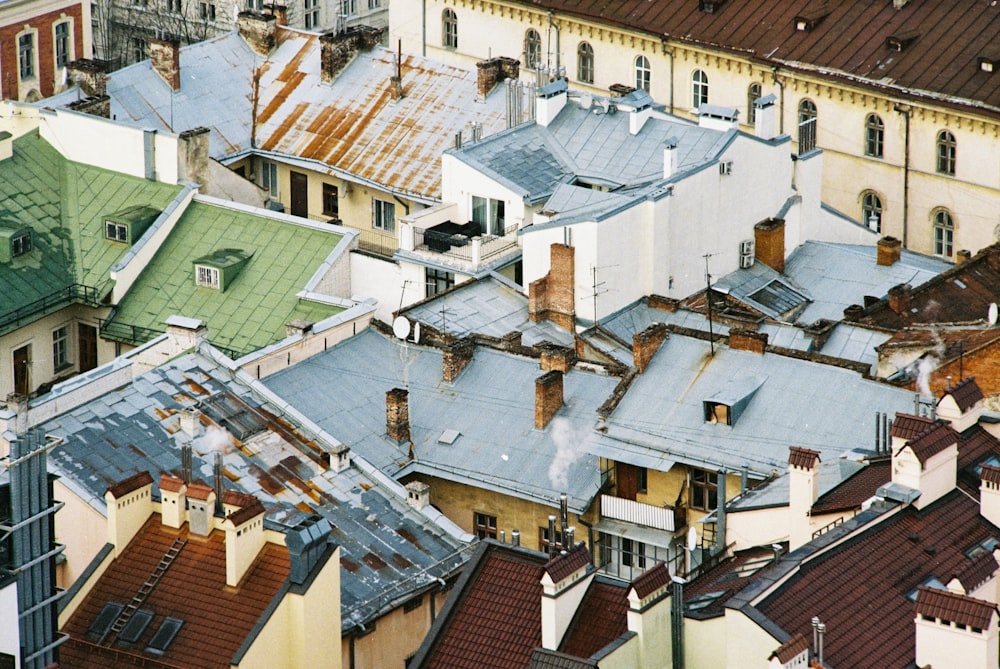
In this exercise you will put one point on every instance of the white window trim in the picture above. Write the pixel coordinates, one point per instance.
(70, 46)
(378, 208)
(34, 54)
(207, 277)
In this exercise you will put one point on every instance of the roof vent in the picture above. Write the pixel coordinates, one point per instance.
(901, 41)
(710, 6)
(809, 22)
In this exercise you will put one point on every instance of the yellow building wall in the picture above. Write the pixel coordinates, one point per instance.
(82, 529)
(397, 636)
(705, 643)
(747, 644)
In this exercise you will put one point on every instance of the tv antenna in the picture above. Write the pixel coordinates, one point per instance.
(708, 301)
(598, 287)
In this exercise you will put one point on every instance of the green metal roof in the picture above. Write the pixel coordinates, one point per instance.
(254, 307)
(64, 204)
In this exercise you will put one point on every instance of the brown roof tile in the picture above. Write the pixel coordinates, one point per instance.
(975, 446)
(991, 474)
(907, 426)
(199, 490)
(954, 607)
(130, 484)
(651, 580)
(565, 564)
(933, 441)
(246, 513)
(237, 498)
(549, 659)
(789, 650)
(978, 571)
(217, 619)
(802, 457)
(170, 483)
(850, 494)
(966, 393)
(723, 581)
(601, 618)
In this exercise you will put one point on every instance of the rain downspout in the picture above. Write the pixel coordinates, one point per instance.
(905, 111)
(553, 26)
(423, 28)
(781, 100)
(669, 52)
(720, 514)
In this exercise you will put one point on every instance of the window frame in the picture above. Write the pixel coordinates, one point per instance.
(871, 203)
(62, 44)
(140, 49)
(754, 92)
(704, 486)
(874, 136)
(944, 233)
(947, 152)
(436, 281)
(532, 49)
(585, 63)
(60, 348)
(207, 277)
(269, 177)
(807, 112)
(484, 525)
(120, 233)
(634, 555)
(310, 14)
(643, 73)
(20, 245)
(27, 70)
(331, 196)
(449, 29)
(494, 216)
(699, 89)
(383, 215)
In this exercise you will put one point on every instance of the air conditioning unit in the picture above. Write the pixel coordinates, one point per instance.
(726, 167)
(746, 254)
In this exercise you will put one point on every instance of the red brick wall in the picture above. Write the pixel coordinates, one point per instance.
(44, 48)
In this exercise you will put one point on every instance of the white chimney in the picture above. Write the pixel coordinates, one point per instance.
(340, 457)
(244, 539)
(190, 418)
(954, 630)
(715, 117)
(649, 613)
(670, 158)
(989, 494)
(130, 503)
(638, 117)
(961, 404)
(928, 463)
(565, 580)
(418, 494)
(803, 490)
(549, 101)
(765, 125)
(173, 500)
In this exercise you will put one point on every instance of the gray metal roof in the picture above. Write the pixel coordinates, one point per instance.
(801, 403)
(386, 546)
(488, 307)
(775, 492)
(491, 405)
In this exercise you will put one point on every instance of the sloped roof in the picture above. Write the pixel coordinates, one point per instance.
(706, 596)
(562, 565)
(978, 571)
(64, 203)
(850, 43)
(651, 580)
(954, 607)
(802, 457)
(130, 484)
(965, 393)
(254, 308)
(550, 659)
(907, 426)
(855, 490)
(217, 619)
(600, 619)
(789, 650)
(932, 441)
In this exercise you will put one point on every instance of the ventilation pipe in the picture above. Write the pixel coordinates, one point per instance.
(515, 538)
(186, 464)
(219, 510)
(720, 513)
(552, 536)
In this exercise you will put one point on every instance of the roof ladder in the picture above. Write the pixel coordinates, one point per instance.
(147, 587)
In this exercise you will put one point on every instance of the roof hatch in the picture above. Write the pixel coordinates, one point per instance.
(728, 403)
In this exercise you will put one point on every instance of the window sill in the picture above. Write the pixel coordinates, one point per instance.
(63, 368)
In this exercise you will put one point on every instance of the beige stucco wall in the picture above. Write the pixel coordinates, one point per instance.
(82, 529)
(747, 644)
(396, 637)
(705, 643)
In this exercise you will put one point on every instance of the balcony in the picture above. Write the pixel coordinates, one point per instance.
(433, 235)
(638, 513)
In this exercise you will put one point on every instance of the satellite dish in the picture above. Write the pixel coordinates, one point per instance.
(692, 539)
(991, 315)
(416, 333)
(401, 327)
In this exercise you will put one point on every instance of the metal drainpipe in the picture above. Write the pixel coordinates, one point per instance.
(553, 26)
(670, 53)
(905, 111)
(781, 100)
(405, 206)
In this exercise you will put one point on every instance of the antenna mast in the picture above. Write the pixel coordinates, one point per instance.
(708, 301)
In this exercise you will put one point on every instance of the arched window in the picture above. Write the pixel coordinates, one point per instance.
(807, 126)
(946, 153)
(642, 73)
(699, 89)
(944, 233)
(532, 49)
(871, 210)
(874, 136)
(449, 29)
(585, 63)
(754, 93)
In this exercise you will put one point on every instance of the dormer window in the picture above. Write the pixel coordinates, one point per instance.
(20, 244)
(901, 41)
(207, 277)
(808, 22)
(219, 269)
(725, 406)
(716, 412)
(128, 225)
(987, 64)
(116, 232)
(710, 6)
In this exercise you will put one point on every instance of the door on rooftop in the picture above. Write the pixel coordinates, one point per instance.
(300, 194)
(626, 480)
(87, 338)
(22, 366)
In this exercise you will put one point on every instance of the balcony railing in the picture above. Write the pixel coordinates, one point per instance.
(137, 335)
(378, 243)
(72, 294)
(474, 250)
(638, 513)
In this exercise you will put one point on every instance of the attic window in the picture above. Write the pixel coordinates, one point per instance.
(806, 23)
(102, 623)
(725, 406)
(218, 269)
(716, 412)
(703, 601)
(20, 244)
(116, 232)
(710, 6)
(987, 64)
(207, 277)
(986, 545)
(901, 41)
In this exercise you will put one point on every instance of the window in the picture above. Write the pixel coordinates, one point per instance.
(269, 177)
(754, 93)
(449, 29)
(20, 245)
(633, 553)
(139, 49)
(946, 153)
(532, 49)
(489, 214)
(438, 281)
(331, 204)
(175, 7)
(62, 44)
(642, 73)
(208, 11)
(699, 89)
(807, 126)
(348, 7)
(207, 277)
(60, 348)
(944, 233)
(871, 210)
(383, 215)
(704, 489)
(585, 63)
(374, 4)
(26, 55)
(874, 136)
(642, 479)
(545, 541)
(311, 14)
(484, 527)
(116, 232)
(717, 412)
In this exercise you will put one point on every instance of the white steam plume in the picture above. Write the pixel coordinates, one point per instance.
(569, 449)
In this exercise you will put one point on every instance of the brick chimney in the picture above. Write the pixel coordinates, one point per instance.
(130, 503)
(165, 55)
(99, 105)
(747, 340)
(899, 298)
(962, 256)
(455, 358)
(258, 31)
(397, 414)
(552, 297)
(556, 357)
(548, 397)
(769, 243)
(89, 75)
(173, 500)
(493, 72)
(244, 538)
(803, 490)
(645, 344)
(336, 51)
(888, 250)
(565, 580)
(193, 156)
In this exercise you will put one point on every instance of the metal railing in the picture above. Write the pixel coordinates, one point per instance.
(807, 135)
(378, 243)
(73, 293)
(638, 513)
(494, 246)
(137, 335)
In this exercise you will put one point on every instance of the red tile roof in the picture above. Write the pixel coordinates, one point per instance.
(907, 426)
(601, 618)
(217, 619)
(966, 393)
(933, 441)
(199, 490)
(565, 564)
(251, 510)
(875, 571)
(651, 580)
(975, 446)
(977, 572)
(850, 494)
(802, 457)
(954, 607)
(726, 579)
(991, 474)
(170, 483)
(130, 484)
(789, 650)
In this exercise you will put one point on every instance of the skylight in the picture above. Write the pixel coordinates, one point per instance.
(135, 626)
(930, 582)
(703, 601)
(102, 623)
(164, 636)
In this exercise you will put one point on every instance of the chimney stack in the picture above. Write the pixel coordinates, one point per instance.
(455, 358)
(769, 243)
(341, 457)
(173, 500)
(670, 157)
(553, 297)
(989, 493)
(244, 538)
(747, 340)
(418, 494)
(556, 357)
(548, 397)
(962, 256)
(129, 505)
(549, 101)
(765, 117)
(165, 55)
(493, 72)
(803, 489)
(565, 580)
(337, 50)
(888, 251)
(899, 298)
(645, 344)
(89, 75)
(258, 31)
(397, 414)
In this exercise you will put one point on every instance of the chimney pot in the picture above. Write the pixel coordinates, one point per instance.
(899, 298)
(769, 243)
(888, 251)
(963, 256)
(89, 75)
(418, 494)
(548, 397)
